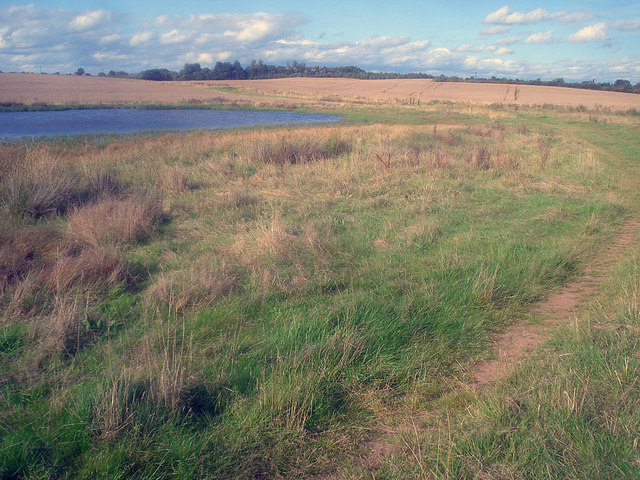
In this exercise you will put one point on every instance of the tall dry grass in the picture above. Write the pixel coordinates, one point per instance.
(114, 221)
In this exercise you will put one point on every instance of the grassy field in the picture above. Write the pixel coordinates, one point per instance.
(256, 303)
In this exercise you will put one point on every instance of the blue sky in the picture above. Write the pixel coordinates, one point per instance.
(575, 40)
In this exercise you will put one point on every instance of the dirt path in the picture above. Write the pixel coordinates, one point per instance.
(511, 347)
(522, 337)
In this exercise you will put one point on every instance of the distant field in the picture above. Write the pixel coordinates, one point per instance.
(73, 89)
(70, 89)
(427, 90)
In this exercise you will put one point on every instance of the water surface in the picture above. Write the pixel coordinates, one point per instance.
(74, 122)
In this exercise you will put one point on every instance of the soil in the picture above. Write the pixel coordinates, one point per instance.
(414, 91)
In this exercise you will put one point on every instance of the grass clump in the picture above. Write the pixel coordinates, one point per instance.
(299, 152)
(114, 221)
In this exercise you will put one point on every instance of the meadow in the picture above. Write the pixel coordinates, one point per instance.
(273, 302)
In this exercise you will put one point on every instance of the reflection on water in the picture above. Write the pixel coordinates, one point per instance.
(73, 122)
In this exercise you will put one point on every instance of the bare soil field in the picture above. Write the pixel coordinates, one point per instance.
(74, 89)
(71, 89)
(426, 90)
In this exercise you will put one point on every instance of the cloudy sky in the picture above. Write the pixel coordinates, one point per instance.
(575, 40)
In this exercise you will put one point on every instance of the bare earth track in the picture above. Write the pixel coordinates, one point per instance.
(29, 89)
(555, 310)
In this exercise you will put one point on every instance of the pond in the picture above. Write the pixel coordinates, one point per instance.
(73, 122)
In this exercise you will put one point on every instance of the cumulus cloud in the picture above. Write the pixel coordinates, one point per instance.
(496, 50)
(627, 25)
(174, 36)
(142, 38)
(89, 20)
(504, 16)
(577, 17)
(591, 33)
(508, 41)
(542, 37)
(496, 30)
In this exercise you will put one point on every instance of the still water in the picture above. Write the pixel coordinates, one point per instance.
(74, 122)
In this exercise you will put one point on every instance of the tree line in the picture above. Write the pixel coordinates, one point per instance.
(257, 69)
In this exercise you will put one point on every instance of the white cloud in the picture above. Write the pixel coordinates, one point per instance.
(591, 33)
(504, 16)
(174, 36)
(627, 25)
(142, 38)
(496, 30)
(112, 38)
(251, 28)
(297, 42)
(542, 37)
(89, 20)
(508, 41)
(503, 51)
(471, 48)
(577, 17)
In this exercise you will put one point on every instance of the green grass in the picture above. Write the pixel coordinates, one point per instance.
(270, 292)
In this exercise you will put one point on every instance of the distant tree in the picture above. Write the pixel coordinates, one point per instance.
(190, 71)
(624, 85)
(239, 73)
(101, 74)
(157, 75)
(80, 71)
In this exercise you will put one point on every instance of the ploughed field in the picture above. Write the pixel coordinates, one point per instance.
(71, 89)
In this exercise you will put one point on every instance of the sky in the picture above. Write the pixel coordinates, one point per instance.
(574, 40)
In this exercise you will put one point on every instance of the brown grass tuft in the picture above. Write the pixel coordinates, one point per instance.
(25, 251)
(173, 180)
(114, 221)
(286, 152)
(97, 267)
(239, 198)
(193, 288)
